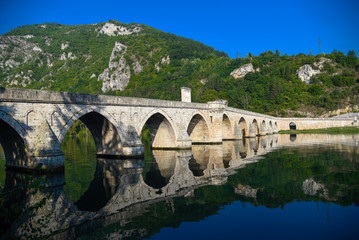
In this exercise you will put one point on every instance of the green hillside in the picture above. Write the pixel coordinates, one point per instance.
(140, 61)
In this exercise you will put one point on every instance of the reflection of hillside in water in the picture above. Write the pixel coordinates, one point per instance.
(122, 191)
(319, 168)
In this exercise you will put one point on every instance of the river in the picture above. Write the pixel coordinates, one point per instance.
(278, 186)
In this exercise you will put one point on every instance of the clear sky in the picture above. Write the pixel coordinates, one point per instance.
(231, 26)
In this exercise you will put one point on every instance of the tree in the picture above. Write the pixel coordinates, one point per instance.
(277, 53)
(352, 53)
(238, 56)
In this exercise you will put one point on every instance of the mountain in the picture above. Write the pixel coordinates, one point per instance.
(140, 61)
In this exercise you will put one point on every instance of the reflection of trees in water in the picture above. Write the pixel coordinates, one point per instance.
(279, 178)
(80, 164)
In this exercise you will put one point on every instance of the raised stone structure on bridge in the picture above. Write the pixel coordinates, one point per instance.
(33, 124)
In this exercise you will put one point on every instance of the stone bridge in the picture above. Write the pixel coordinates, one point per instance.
(33, 124)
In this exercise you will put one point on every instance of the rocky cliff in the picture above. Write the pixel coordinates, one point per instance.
(242, 71)
(117, 75)
(306, 71)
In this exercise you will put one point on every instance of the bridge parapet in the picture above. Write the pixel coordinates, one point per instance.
(51, 97)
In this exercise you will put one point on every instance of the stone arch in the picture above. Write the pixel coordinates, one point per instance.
(197, 129)
(18, 127)
(269, 128)
(263, 128)
(104, 129)
(270, 124)
(161, 128)
(227, 132)
(14, 145)
(292, 126)
(242, 124)
(255, 127)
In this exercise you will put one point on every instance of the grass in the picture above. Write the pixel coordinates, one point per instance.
(334, 130)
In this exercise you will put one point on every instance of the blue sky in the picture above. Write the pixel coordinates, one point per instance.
(231, 26)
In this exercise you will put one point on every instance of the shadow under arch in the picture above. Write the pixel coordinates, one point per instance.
(14, 146)
(292, 126)
(198, 129)
(227, 133)
(162, 131)
(271, 126)
(108, 138)
(263, 128)
(242, 124)
(255, 126)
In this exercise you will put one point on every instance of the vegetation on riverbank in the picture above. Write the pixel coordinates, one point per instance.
(334, 130)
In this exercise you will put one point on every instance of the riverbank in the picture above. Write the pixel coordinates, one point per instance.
(334, 130)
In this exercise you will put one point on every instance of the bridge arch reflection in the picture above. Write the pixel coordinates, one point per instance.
(162, 169)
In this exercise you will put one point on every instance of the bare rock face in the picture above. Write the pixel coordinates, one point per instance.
(163, 61)
(111, 29)
(16, 49)
(137, 67)
(242, 71)
(246, 191)
(64, 46)
(312, 188)
(117, 75)
(321, 62)
(305, 72)
(69, 56)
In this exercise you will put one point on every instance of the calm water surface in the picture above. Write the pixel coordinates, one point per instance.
(271, 187)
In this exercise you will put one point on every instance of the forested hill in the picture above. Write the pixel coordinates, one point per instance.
(140, 61)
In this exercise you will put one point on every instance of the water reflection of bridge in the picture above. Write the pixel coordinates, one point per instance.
(122, 190)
